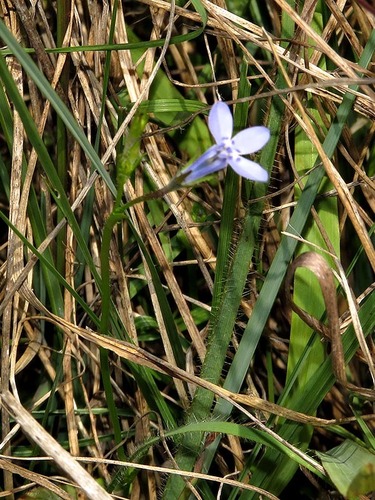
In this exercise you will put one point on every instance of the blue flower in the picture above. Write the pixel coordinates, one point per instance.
(228, 149)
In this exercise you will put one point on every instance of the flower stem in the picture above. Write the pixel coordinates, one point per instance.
(120, 213)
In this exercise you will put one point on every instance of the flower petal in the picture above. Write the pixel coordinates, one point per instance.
(248, 169)
(206, 157)
(205, 165)
(251, 139)
(220, 122)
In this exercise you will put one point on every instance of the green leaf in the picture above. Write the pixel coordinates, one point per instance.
(196, 138)
(351, 468)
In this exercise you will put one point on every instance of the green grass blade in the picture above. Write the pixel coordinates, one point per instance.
(288, 245)
(351, 469)
(62, 111)
(229, 284)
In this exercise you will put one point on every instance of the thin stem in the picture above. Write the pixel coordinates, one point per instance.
(118, 214)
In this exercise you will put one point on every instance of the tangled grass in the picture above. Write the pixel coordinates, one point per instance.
(212, 341)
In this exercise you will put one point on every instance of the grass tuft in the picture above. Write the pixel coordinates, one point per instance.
(186, 342)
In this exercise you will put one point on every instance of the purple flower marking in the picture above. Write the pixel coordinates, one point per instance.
(228, 149)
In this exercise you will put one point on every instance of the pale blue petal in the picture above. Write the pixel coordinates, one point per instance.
(205, 158)
(248, 169)
(220, 122)
(205, 165)
(214, 166)
(251, 140)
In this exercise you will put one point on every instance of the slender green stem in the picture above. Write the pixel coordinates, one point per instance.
(118, 214)
(61, 131)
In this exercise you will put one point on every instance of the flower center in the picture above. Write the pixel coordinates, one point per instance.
(227, 150)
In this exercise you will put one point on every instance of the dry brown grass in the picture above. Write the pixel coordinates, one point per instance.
(29, 325)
